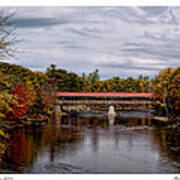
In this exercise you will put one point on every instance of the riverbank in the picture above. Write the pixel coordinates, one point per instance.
(10, 124)
(169, 123)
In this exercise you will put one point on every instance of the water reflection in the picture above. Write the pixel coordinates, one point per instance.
(111, 120)
(169, 144)
(93, 144)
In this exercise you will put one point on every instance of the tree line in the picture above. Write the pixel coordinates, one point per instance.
(72, 82)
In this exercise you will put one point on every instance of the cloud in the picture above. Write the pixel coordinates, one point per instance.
(38, 22)
(119, 41)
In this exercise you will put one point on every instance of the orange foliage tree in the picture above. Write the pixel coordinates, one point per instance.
(167, 92)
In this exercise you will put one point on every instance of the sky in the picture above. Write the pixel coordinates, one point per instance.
(119, 41)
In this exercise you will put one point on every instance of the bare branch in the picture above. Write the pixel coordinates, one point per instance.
(7, 35)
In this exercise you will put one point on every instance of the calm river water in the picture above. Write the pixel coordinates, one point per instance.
(129, 143)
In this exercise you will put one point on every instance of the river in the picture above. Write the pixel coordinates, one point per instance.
(94, 143)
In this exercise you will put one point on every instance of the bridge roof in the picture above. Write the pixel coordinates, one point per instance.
(95, 94)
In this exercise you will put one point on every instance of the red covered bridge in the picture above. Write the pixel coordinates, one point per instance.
(103, 98)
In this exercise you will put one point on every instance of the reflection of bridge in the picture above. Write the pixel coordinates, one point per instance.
(65, 98)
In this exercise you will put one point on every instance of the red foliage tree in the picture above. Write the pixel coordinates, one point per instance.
(19, 108)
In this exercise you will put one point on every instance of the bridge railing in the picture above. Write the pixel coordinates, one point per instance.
(109, 102)
(103, 95)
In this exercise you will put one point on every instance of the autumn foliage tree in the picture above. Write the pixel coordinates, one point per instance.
(72, 82)
(167, 92)
(23, 93)
(19, 108)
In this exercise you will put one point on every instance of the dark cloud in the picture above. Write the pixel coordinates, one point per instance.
(38, 22)
(73, 47)
(136, 44)
(161, 53)
(69, 45)
(131, 66)
(82, 32)
(154, 10)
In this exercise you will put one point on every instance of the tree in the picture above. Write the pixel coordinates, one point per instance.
(7, 35)
(146, 78)
(140, 77)
(20, 107)
(167, 92)
(23, 93)
(92, 80)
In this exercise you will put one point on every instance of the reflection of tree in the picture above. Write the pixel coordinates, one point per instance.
(52, 149)
(95, 139)
(27, 144)
(3, 145)
(132, 121)
(169, 144)
(19, 144)
(21, 151)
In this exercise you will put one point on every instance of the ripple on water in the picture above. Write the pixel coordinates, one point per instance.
(58, 168)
